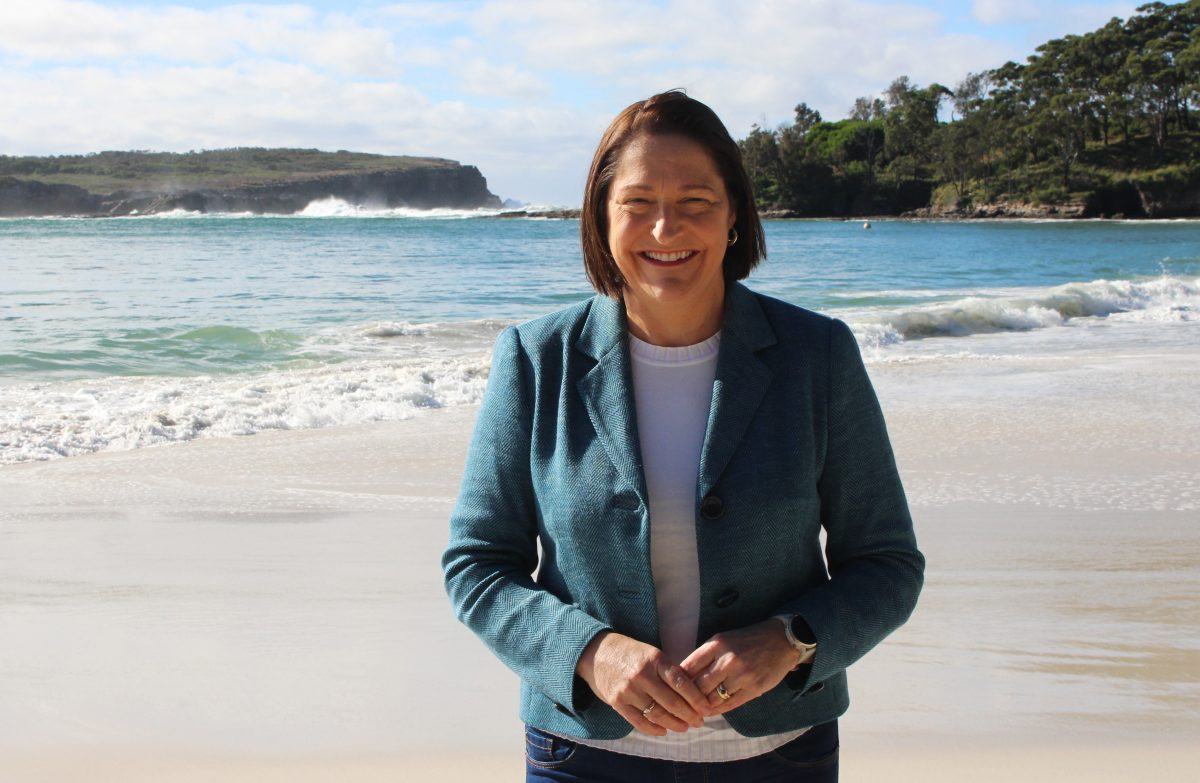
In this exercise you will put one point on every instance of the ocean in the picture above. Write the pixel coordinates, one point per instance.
(240, 438)
(132, 332)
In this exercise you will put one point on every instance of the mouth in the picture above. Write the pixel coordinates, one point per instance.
(667, 259)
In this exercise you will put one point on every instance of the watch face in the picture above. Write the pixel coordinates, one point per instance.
(801, 630)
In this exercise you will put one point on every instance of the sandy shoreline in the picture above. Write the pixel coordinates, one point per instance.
(270, 608)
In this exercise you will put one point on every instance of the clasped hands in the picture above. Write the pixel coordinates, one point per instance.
(656, 695)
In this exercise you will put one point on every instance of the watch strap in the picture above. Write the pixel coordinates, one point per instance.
(806, 649)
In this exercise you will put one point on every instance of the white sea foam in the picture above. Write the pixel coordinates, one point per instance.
(393, 329)
(1161, 299)
(336, 207)
(50, 420)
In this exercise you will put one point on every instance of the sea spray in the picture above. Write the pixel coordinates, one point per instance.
(42, 421)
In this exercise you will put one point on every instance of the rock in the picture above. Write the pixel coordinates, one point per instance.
(553, 214)
(454, 187)
(21, 198)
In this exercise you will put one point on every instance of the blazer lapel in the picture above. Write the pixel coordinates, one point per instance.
(607, 390)
(741, 383)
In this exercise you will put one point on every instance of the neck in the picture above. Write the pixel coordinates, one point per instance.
(676, 325)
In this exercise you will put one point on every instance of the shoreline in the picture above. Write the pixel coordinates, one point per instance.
(270, 607)
(573, 214)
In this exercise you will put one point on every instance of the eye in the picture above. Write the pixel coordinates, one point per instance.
(635, 203)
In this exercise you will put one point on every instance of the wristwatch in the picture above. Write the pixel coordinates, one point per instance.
(800, 636)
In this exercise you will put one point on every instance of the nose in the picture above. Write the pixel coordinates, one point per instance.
(666, 224)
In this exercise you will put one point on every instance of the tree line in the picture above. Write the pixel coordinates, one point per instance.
(1106, 117)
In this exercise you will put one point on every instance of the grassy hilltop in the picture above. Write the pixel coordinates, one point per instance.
(112, 171)
(245, 179)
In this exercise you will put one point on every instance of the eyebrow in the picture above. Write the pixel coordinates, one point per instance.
(644, 186)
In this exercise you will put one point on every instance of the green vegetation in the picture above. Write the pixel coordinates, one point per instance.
(1105, 121)
(109, 172)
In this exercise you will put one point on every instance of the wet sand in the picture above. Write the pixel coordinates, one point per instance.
(270, 608)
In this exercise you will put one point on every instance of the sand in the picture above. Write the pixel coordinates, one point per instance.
(270, 607)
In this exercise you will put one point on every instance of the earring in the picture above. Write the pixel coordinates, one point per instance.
(733, 237)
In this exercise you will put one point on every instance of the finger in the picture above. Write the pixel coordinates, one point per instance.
(671, 711)
(639, 721)
(699, 659)
(664, 717)
(681, 684)
(719, 671)
(737, 697)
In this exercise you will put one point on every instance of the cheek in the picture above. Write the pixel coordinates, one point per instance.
(618, 234)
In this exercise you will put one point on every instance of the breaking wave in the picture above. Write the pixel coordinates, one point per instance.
(1161, 299)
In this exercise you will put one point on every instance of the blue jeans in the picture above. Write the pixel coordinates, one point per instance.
(810, 758)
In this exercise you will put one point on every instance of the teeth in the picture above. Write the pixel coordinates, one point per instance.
(669, 257)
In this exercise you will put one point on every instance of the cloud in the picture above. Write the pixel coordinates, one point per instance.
(1046, 20)
(59, 31)
(1005, 11)
(522, 89)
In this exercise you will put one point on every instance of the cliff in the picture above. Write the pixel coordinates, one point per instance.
(256, 181)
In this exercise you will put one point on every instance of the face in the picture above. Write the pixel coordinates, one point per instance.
(669, 217)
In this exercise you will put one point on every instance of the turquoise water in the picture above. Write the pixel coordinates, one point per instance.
(138, 314)
(166, 296)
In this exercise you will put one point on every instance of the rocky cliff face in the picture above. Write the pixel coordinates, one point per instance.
(455, 187)
(21, 198)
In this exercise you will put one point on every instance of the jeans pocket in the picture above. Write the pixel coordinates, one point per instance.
(547, 750)
(814, 749)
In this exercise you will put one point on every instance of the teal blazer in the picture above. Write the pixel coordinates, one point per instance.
(795, 443)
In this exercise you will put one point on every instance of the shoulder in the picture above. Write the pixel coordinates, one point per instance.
(556, 327)
(545, 344)
(791, 326)
(786, 313)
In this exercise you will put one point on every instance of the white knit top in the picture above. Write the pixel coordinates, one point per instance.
(672, 390)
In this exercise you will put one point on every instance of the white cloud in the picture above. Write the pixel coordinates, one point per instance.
(521, 89)
(1005, 11)
(1049, 20)
(60, 31)
(479, 77)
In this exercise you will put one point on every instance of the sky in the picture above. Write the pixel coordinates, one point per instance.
(522, 89)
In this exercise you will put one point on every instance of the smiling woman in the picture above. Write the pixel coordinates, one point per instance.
(677, 446)
(670, 220)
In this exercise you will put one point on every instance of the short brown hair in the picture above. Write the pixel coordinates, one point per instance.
(667, 113)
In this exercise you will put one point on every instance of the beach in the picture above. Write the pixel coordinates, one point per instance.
(270, 607)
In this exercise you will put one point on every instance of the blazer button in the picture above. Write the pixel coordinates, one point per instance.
(712, 507)
(726, 599)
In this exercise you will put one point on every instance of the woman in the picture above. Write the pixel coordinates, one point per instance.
(676, 445)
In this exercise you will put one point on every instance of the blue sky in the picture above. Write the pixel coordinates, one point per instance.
(520, 89)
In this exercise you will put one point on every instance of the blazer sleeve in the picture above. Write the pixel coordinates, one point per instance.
(492, 554)
(875, 568)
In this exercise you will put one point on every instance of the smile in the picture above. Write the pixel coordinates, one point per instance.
(668, 258)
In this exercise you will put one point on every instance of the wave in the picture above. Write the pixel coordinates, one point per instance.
(42, 421)
(1161, 299)
(336, 207)
(319, 208)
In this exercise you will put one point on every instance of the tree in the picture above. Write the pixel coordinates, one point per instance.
(806, 118)
(866, 109)
(760, 156)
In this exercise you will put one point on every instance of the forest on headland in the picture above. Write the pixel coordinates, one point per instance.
(1102, 124)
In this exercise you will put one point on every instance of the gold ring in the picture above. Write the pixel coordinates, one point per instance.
(724, 694)
(646, 712)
